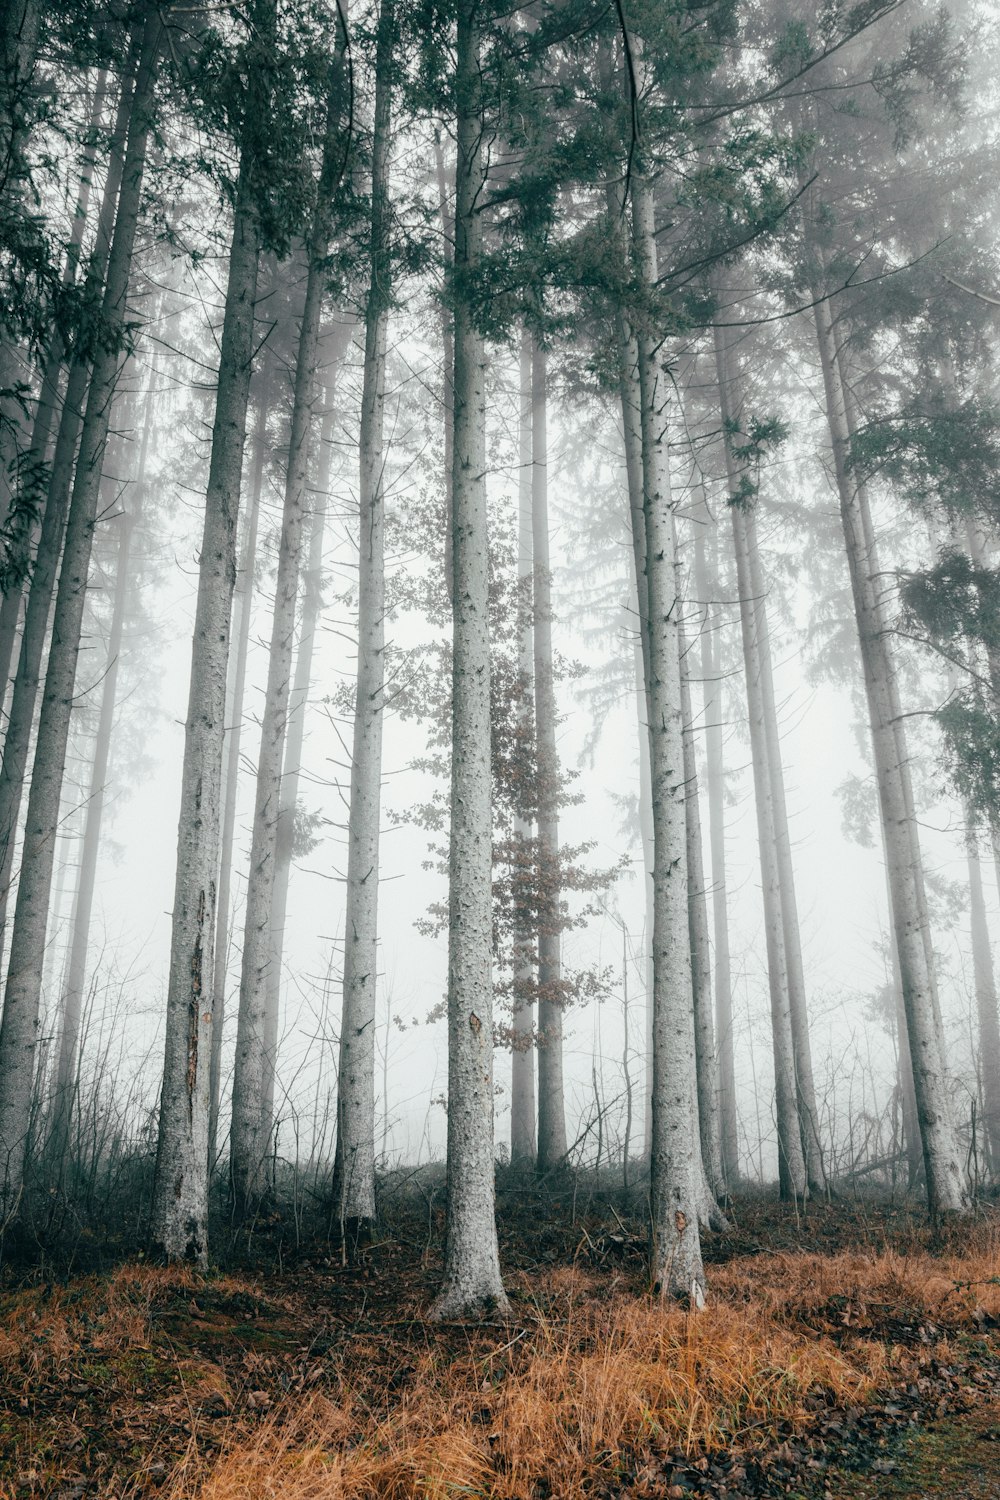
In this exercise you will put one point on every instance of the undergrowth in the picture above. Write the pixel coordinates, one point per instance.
(585, 1391)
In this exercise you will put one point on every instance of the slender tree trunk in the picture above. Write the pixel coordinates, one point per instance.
(791, 1159)
(312, 603)
(32, 474)
(944, 1178)
(805, 1088)
(180, 1206)
(21, 1003)
(523, 1139)
(237, 676)
(707, 585)
(19, 28)
(986, 999)
(76, 972)
(551, 1099)
(356, 1074)
(472, 1260)
(19, 36)
(250, 1140)
(41, 590)
(675, 1249)
(630, 398)
(447, 345)
(701, 957)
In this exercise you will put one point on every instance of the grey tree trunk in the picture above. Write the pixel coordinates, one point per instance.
(675, 1249)
(180, 1206)
(31, 472)
(630, 398)
(551, 1098)
(18, 1030)
(805, 1087)
(242, 614)
(986, 1000)
(74, 989)
(312, 603)
(41, 589)
(19, 28)
(701, 956)
(472, 1281)
(707, 585)
(942, 1164)
(523, 1138)
(250, 1141)
(791, 1159)
(19, 37)
(356, 1075)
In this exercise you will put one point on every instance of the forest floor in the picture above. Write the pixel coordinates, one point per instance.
(842, 1353)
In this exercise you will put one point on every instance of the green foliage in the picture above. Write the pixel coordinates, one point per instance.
(935, 455)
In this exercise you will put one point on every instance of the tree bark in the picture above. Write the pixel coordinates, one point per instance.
(356, 1075)
(986, 1000)
(21, 1003)
(312, 603)
(31, 473)
(551, 1100)
(472, 1281)
(701, 958)
(240, 632)
(631, 402)
(41, 588)
(944, 1179)
(180, 1206)
(707, 585)
(805, 1087)
(675, 1249)
(791, 1159)
(76, 970)
(523, 1136)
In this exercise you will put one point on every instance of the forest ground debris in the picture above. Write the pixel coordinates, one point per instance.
(323, 1382)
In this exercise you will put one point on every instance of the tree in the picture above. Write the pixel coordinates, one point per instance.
(472, 1281)
(355, 1179)
(250, 1141)
(180, 1216)
(22, 994)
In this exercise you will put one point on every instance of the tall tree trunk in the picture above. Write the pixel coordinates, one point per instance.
(180, 1207)
(675, 1248)
(19, 29)
(805, 1087)
(707, 585)
(76, 971)
(472, 1259)
(791, 1159)
(523, 1138)
(242, 615)
(21, 1002)
(312, 603)
(986, 999)
(551, 1099)
(630, 398)
(31, 476)
(19, 37)
(701, 957)
(251, 1137)
(942, 1164)
(41, 588)
(356, 1074)
(447, 347)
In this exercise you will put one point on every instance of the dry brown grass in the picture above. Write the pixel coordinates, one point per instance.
(43, 1329)
(591, 1385)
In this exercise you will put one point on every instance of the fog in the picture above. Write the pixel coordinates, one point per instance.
(775, 259)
